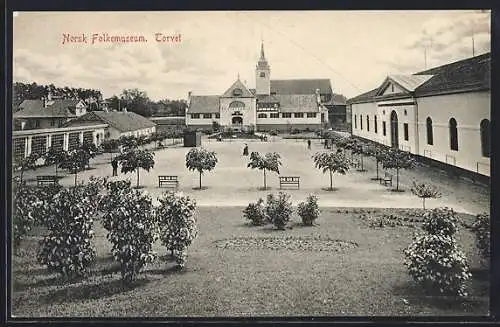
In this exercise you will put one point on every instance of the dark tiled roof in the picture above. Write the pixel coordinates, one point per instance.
(263, 98)
(238, 85)
(473, 73)
(364, 97)
(337, 100)
(66, 103)
(200, 104)
(122, 121)
(34, 108)
(301, 86)
(298, 102)
(253, 91)
(464, 75)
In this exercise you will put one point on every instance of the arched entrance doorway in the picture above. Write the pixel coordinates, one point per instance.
(394, 130)
(238, 120)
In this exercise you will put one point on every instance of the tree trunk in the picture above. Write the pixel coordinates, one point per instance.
(423, 202)
(362, 164)
(56, 169)
(22, 171)
(376, 162)
(331, 180)
(76, 172)
(137, 177)
(264, 179)
(397, 179)
(200, 179)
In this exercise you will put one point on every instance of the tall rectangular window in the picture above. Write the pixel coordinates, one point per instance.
(361, 122)
(384, 128)
(405, 126)
(195, 116)
(355, 121)
(375, 123)
(367, 123)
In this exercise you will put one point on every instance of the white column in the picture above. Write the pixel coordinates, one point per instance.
(94, 138)
(49, 141)
(66, 141)
(28, 145)
(81, 137)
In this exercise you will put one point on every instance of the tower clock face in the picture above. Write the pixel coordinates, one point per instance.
(262, 74)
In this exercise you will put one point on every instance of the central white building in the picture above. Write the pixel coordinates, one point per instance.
(273, 104)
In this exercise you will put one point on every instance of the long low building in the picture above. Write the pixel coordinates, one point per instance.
(273, 104)
(441, 114)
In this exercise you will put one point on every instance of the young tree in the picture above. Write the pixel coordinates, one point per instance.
(270, 161)
(379, 153)
(54, 157)
(425, 191)
(397, 159)
(134, 159)
(333, 162)
(359, 148)
(27, 163)
(89, 150)
(201, 159)
(74, 161)
(128, 142)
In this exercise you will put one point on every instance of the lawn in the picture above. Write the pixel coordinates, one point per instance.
(234, 269)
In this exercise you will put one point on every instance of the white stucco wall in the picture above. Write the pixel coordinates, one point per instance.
(201, 121)
(468, 109)
(249, 114)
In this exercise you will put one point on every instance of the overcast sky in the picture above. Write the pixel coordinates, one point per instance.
(354, 49)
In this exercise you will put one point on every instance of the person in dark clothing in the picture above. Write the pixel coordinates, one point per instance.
(114, 164)
(245, 150)
(309, 144)
(326, 144)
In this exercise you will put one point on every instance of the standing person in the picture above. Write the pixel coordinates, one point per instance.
(326, 144)
(309, 144)
(114, 163)
(245, 150)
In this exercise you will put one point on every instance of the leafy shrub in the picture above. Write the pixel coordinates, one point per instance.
(177, 224)
(112, 199)
(67, 249)
(132, 231)
(279, 209)
(309, 210)
(425, 191)
(256, 213)
(481, 230)
(436, 262)
(440, 221)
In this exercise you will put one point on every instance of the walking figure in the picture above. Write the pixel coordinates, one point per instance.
(114, 164)
(326, 144)
(245, 150)
(309, 144)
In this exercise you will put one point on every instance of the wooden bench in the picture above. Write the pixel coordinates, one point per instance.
(168, 181)
(43, 180)
(387, 179)
(290, 181)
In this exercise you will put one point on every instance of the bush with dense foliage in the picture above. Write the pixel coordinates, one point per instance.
(434, 259)
(481, 230)
(67, 249)
(256, 213)
(309, 210)
(440, 221)
(279, 209)
(132, 231)
(177, 224)
(437, 263)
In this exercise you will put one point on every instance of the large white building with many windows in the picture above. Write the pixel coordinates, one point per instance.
(442, 114)
(273, 104)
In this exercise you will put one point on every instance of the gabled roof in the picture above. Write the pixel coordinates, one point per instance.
(298, 102)
(122, 121)
(472, 74)
(245, 93)
(301, 86)
(263, 98)
(35, 109)
(67, 103)
(408, 82)
(204, 104)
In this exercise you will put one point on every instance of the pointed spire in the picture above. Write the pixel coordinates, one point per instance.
(238, 76)
(262, 57)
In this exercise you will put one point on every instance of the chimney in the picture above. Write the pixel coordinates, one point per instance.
(318, 96)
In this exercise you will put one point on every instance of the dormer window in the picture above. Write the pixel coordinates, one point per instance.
(262, 74)
(237, 92)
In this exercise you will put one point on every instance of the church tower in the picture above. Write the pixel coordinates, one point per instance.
(262, 74)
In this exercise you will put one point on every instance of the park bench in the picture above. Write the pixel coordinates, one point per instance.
(289, 181)
(43, 180)
(387, 179)
(168, 181)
